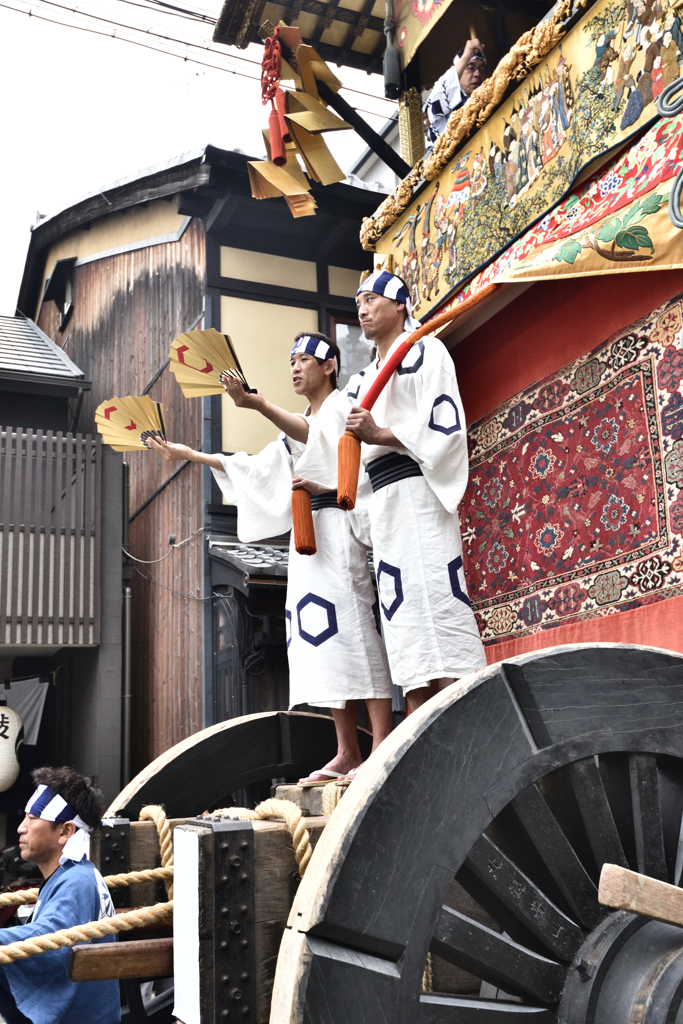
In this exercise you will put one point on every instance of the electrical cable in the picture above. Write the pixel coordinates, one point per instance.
(153, 561)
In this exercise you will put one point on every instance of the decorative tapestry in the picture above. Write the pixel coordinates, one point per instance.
(574, 507)
(595, 91)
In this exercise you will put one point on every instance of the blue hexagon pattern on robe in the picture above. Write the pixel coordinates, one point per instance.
(313, 619)
(454, 568)
(288, 626)
(445, 416)
(392, 571)
(413, 359)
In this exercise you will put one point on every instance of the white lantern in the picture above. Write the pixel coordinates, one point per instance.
(11, 737)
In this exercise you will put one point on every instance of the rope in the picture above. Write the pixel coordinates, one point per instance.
(85, 932)
(332, 794)
(17, 899)
(428, 975)
(290, 813)
(155, 813)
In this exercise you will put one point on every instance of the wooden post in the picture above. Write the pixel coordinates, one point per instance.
(627, 890)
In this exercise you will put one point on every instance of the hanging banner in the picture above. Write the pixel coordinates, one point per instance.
(595, 91)
(617, 221)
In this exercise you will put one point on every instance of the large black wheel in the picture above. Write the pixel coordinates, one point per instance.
(241, 755)
(515, 785)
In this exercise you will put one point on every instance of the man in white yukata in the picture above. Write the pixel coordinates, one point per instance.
(454, 88)
(414, 450)
(335, 651)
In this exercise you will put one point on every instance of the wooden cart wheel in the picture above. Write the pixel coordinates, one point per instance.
(205, 770)
(518, 784)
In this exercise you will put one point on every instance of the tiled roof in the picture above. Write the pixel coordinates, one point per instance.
(25, 350)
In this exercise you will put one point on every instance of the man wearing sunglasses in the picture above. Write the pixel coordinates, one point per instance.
(453, 89)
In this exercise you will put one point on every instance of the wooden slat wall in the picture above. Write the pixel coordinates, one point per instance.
(127, 310)
(49, 538)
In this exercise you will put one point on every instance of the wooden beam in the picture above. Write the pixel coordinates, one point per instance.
(627, 890)
(104, 961)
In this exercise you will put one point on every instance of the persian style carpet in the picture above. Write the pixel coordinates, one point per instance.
(574, 508)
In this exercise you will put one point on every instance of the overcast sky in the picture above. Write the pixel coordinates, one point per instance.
(80, 110)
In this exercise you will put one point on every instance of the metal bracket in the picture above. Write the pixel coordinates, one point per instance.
(115, 854)
(233, 924)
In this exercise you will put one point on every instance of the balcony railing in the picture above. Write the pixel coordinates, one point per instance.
(50, 490)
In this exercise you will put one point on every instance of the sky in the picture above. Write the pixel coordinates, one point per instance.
(82, 110)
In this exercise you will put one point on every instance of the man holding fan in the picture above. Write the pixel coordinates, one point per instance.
(414, 450)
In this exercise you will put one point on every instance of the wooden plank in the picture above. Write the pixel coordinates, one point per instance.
(17, 520)
(80, 537)
(499, 885)
(89, 471)
(68, 517)
(38, 520)
(439, 1009)
(647, 816)
(6, 540)
(496, 958)
(47, 529)
(57, 519)
(28, 506)
(150, 958)
(628, 890)
(558, 855)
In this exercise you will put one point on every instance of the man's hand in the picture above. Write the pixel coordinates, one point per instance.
(362, 424)
(171, 452)
(243, 399)
(472, 48)
(299, 484)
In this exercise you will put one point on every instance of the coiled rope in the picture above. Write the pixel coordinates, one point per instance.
(667, 106)
(155, 813)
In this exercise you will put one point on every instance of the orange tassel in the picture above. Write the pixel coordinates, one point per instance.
(348, 454)
(277, 146)
(302, 522)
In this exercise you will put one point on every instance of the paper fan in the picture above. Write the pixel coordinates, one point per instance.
(199, 357)
(125, 423)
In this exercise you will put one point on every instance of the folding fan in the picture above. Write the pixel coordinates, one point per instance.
(126, 423)
(199, 358)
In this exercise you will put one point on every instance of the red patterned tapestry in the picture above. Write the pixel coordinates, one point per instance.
(574, 509)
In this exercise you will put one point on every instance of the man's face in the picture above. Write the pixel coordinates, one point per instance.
(39, 839)
(473, 75)
(308, 375)
(378, 315)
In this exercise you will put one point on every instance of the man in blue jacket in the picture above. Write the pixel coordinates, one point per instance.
(55, 835)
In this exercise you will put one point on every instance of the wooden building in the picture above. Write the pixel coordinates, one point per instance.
(60, 563)
(114, 279)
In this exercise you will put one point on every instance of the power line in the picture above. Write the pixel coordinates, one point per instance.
(147, 46)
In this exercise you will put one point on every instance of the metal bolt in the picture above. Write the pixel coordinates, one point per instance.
(225, 1013)
(244, 976)
(122, 857)
(224, 879)
(244, 845)
(224, 847)
(235, 862)
(236, 994)
(116, 847)
(224, 911)
(107, 860)
(122, 835)
(584, 968)
(244, 943)
(244, 877)
(245, 1011)
(235, 927)
(223, 945)
(243, 908)
(224, 979)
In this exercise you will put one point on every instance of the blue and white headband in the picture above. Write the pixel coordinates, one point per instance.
(391, 287)
(314, 346)
(50, 806)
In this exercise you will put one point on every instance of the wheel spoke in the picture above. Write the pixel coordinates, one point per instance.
(495, 958)
(558, 855)
(596, 813)
(510, 897)
(647, 816)
(438, 1009)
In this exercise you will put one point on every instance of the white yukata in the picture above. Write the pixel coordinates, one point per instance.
(429, 627)
(334, 647)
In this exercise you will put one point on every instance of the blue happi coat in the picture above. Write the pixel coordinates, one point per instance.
(74, 894)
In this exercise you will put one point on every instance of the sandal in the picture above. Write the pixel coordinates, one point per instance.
(330, 776)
